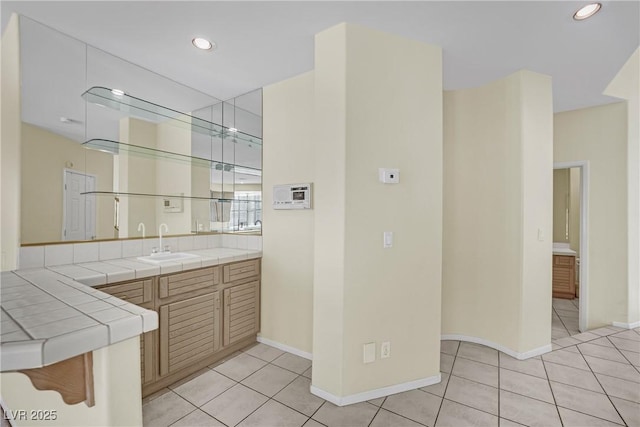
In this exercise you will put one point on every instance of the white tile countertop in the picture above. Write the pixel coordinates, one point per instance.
(52, 313)
(563, 249)
(47, 318)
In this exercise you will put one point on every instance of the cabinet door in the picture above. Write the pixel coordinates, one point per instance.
(563, 277)
(241, 312)
(189, 331)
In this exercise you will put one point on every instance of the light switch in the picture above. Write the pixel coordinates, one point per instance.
(387, 238)
(369, 352)
(540, 235)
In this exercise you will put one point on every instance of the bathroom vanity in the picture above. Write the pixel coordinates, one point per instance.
(564, 272)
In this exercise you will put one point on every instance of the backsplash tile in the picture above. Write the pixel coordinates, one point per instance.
(132, 248)
(110, 250)
(58, 255)
(32, 256)
(214, 241)
(229, 241)
(200, 242)
(255, 243)
(86, 252)
(185, 243)
(242, 242)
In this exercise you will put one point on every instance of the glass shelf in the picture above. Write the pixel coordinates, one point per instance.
(115, 147)
(167, 196)
(138, 107)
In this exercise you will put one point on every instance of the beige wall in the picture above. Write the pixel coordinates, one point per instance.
(536, 136)
(45, 155)
(174, 178)
(10, 148)
(287, 268)
(137, 174)
(599, 135)
(378, 103)
(497, 194)
(561, 193)
(626, 85)
(118, 396)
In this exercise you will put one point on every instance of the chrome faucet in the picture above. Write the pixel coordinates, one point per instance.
(166, 229)
(141, 226)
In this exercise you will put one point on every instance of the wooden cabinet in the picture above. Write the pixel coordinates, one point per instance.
(204, 315)
(139, 292)
(189, 331)
(241, 312)
(564, 285)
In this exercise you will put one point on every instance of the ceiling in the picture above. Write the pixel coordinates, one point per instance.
(260, 43)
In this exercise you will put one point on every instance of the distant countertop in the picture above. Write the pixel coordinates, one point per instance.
(563, 249)
(52, 313)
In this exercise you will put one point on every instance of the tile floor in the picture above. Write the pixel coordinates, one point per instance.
(594, 381)
(564, 318)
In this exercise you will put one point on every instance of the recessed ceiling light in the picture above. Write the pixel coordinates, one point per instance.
(117, 92)
(587, 11)
(203, 44)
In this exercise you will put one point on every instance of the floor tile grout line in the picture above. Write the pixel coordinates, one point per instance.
(553, 396)
(561, 321)
(444, 393)
(499, 388)
(606, 394)
(405, 417)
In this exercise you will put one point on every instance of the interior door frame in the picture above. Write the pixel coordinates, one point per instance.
(64, 197)
(584, 237)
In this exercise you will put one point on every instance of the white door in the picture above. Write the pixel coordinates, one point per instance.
(80, 209)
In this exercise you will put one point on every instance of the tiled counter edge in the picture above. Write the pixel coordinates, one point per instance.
(47, 318)
(52, 313)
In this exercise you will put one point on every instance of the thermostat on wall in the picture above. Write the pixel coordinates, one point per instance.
(292, 196)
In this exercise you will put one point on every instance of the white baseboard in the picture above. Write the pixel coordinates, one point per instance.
(627, 325)
(285, 347)
(377, 393)
(520, 356)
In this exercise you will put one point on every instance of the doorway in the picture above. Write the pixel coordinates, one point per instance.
(78, 208)
(570, 249)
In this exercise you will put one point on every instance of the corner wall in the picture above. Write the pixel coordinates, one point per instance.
(626, 85)
(378, 103)
(497, 195)
(287, 268)
(599, 135)
(10, 148)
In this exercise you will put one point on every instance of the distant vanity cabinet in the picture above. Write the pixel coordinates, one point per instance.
(204, 315)
(564, 273)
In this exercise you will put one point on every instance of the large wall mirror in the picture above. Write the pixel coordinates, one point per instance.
(111, 150)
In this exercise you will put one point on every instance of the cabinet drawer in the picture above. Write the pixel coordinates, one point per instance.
(182, 283)
(563, 260)
(241, 270)
(138, 292)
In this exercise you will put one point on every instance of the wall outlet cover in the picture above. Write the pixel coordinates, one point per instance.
(369, 352)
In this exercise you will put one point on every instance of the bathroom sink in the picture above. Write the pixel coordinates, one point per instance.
(166, 257)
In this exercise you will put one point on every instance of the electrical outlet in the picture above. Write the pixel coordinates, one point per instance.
(385, 350)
